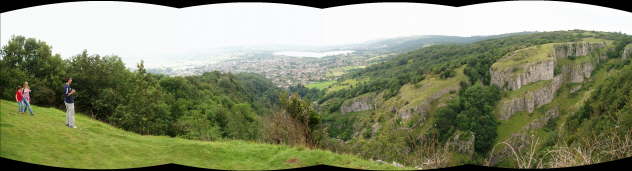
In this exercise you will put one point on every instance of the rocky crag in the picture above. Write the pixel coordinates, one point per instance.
(358, 104)
(422, 108)
(574, 63)
(530, 100)
(565, 50)
(520, 68)
(519, 141)
(627, 52)
(462, 142)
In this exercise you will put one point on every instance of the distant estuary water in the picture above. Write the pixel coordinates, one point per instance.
(312, 54)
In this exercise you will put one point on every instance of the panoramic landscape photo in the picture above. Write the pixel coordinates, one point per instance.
(268, 86)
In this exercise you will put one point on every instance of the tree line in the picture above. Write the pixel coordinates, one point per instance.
(209, 106)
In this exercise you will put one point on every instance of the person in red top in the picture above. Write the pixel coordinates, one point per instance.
(18, 98)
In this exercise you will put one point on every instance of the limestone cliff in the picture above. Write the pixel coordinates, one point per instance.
(462, 142)
(527, 75)
(522, 139)
(577, 72)
(422, 108)
(541, 122)
(537, 63)
(627, 52)
(361, 103)
(531, 99)
(564, 50)
(510, 79)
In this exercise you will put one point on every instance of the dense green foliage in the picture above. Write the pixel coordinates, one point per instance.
(441, 59)
(311, 94)
(302, 111)
(27, 59)
(471, 111)
(619, 44)
(209, 106)
(610, 104)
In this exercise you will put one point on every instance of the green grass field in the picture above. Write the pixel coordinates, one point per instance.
(524, 56)
(321, 85)
(44, 139)
(339, 85)
(411, 95)
(336, 72)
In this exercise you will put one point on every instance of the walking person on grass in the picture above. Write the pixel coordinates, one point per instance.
(18, 98)
(26, 97)
(69, 101)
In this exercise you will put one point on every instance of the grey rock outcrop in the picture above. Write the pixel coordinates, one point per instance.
(541, 122)
(462, 142)
(521, 140)
(358, 104)
(374, 128)
(422, 108)
(575, 89)
(577, 73)
(627, 52)
(517, 141)
(406, 113)
(531, 100)
(510, 79)
(565, 50)
(543, 70)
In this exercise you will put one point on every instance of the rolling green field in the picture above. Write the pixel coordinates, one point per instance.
(320, 85)
(336, 72)
(43, 139)
(524, 56)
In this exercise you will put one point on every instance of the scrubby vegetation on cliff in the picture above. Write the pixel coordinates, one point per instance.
(548, 96)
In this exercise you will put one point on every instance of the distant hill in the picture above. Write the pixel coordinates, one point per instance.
(407, 43)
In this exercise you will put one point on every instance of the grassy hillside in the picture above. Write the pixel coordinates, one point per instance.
(408, 80)
(519, 58)
(43, 139)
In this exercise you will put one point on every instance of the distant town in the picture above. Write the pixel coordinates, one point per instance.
(284, 71)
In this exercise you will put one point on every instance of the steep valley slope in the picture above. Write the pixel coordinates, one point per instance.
(544, 81)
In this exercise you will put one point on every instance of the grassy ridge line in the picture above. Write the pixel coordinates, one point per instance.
(43, 139)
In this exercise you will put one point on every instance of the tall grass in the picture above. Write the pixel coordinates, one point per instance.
(607, 146)
(595, 148)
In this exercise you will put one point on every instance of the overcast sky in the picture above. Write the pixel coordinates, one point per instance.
(137, 31)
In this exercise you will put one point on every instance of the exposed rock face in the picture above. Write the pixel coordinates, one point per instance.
(405, 114)
(576, 49)
(422, 109)
(531, 100)
(374, 128)
(541, 122)
(518, 141)
(358, 104)
(627, 52)
(574, 89)
(543, 70)
(462, 142)
(521, 140)
(577, 73)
